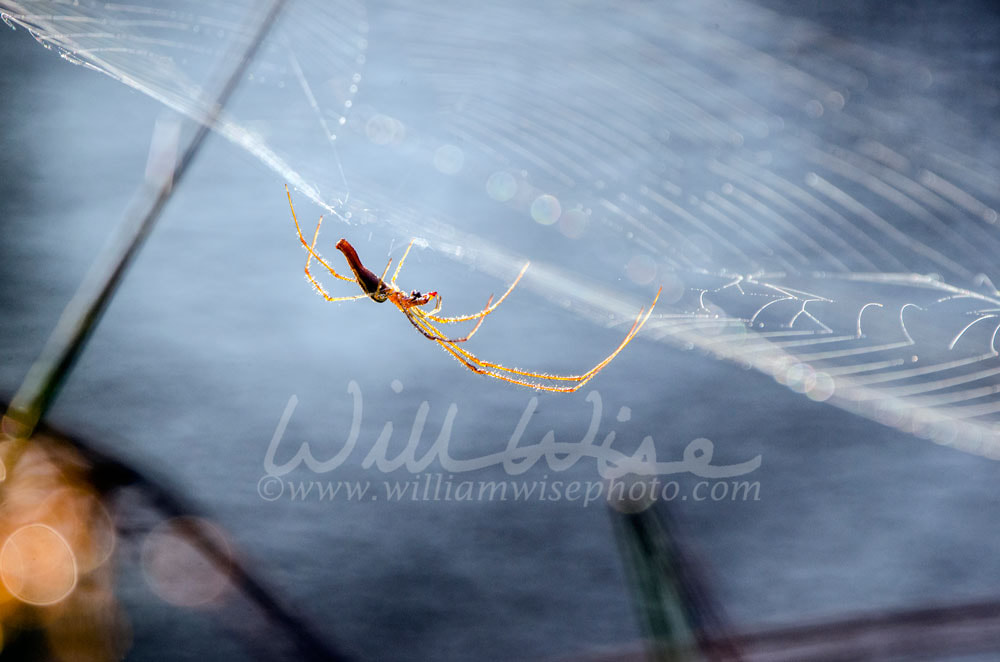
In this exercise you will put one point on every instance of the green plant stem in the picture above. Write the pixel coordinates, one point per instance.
(81, 315)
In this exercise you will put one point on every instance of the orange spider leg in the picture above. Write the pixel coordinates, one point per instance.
(636, 326)
(485, 311)
(315, 283)
(413, 313)
(399, 266)
(432, 314)
(389, 264)
(435, 295)
(460, 356)
(477, 365)
(311, 248)
(436, 309)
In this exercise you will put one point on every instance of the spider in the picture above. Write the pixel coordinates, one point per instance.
(412, 305)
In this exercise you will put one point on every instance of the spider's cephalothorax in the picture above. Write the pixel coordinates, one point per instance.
(411, 305)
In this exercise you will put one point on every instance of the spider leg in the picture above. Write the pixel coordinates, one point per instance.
(474, 364)
(485, 311)
(325, 294)
(421, 313)
(416, 317)
(315, 283)
(332, 299)
(476, 368)
(496, 370)
(312, 253)
(636, 325)
(399, 266)
(436, 309)
(429, 314)
(312, 248)
(388, 264)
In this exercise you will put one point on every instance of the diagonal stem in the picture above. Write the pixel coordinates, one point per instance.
(91, 299)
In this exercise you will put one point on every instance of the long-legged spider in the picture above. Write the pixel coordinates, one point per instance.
(411, 305)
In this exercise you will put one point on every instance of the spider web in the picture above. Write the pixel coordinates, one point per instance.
(820, 209)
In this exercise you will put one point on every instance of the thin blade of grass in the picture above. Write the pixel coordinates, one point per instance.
(84, 310)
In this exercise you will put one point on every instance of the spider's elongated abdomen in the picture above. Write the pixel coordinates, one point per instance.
(370, 284)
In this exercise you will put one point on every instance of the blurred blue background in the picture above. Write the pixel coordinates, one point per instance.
(215, 328)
